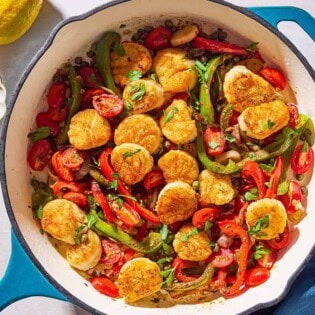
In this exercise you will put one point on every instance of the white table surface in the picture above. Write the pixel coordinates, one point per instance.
(15, 57)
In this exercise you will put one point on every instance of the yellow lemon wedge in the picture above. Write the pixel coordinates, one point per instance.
(16, 17)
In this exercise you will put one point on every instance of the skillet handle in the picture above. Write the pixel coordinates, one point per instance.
(274, 15)
(22, 279)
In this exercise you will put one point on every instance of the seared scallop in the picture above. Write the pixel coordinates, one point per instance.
(192, 244)
(175, 71)
(61, 218)
(132, 162)
(136, 57)
(88, 130)
(177, 124)
(272, 216)
(139, 129)
(138, 278)
(86, 255)
(178, 165)
(177, 201)
(261, 121)
(214, 189)
(143, 95)
(243, 88)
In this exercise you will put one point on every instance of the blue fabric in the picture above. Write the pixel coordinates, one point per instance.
(301, 297)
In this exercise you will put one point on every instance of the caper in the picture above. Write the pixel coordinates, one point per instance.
(304, 190)
(202, 34)
(204, 59)
(85, 64)
(135, 37)
(174, 29)
(141, 31)
(78, 60)
(122, 26)
(168, 23)
(90, 53)
(148, 28)
(143, 36)
(35, 183)
(213, 35)
(299, 177)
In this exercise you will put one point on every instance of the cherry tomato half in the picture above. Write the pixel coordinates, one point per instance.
(76, 197)
(292, 199)
(105, 286)
(39, 155)
(257, 276)
(294, 115)
(301, 161)
(42, 119)
(153, 179)
(90, 76)
(57, 95)
(281, 241)
(62, 171)
(127, 214)
(223, 259)
(62, 187)
(268, 260)
(72, 159)
(274, 77)
(57, 114)
(111, 252)
(158, 38)
(87, 97)
(108, 105)
(206, 214)
(214, 141)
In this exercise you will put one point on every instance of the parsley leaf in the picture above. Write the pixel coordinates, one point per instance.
(139, 92)
(168, 274)
(252, 155)
(92, 202)
(170, 114)
(130, 153)
(261, 251)
(252, 47)
(213, 145)
(305, 146)
(77, 239)
(229, 138)
(115, 175)
(39, 134)
(113, 184)
(133, 75)
(251, 194)
(282, 188)
(164, 232)
(128, 106)
(39, 212)
(193, 232)
(164, 260)
(269, 124)
(208, 226)
(260, 224)
(201, 69)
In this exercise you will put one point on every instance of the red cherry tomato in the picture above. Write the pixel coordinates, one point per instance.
(274, 77)
(206, 214)
(39, 155)
(281, 241)
(111, 252)
(268, 260)
(179, 266)
(158, 38)
(42, 119)
(302, 161)
(128, 255)
(57, 114)
(57, 94)
(105, 286)
(90, 76)
(294, 115)
(153, 179)
(72, 159)
(239, 203)
(214, 141)
(87, 97)
(223, 259)
(62, 187)
(257, 276)
(76, 197)
(127, 214)
(62, 171)
(292, 199)
(107, 105)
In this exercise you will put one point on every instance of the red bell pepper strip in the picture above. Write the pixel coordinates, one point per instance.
(179, 265)
(232, 229)
(108, 172)
(275, 178)
(252, 169)
(219, 47)
(102, 201)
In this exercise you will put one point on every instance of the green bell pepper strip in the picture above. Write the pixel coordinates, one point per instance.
(216, 88)
(226, 115)
(99, 177)
(150, 244)
(110, 39)
(192, 285)
(76, 96)
(233, 167)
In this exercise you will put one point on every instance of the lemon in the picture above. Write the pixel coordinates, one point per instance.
(16, 17)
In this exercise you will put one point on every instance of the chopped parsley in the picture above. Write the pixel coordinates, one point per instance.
(139, 91)
(201, 69)
(251, 194)
(113, 184)
(170, 114)
(261, 251)
(251, 47)
(229, 138)
(130, 153)
(213, 145)
(193, 232)
(305, 146)
(128, 106)
(282, 188)
(77, 239)
(39, 212)
(208, 226)
(115, 175)
(92, 202)
(133, 75)
(164, 232)
(168, 275)
(269, 124)
(39, 134)
(252, 155)
(261, 223)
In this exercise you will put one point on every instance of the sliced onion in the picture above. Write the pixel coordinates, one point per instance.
(224, 157)
(225, 241)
